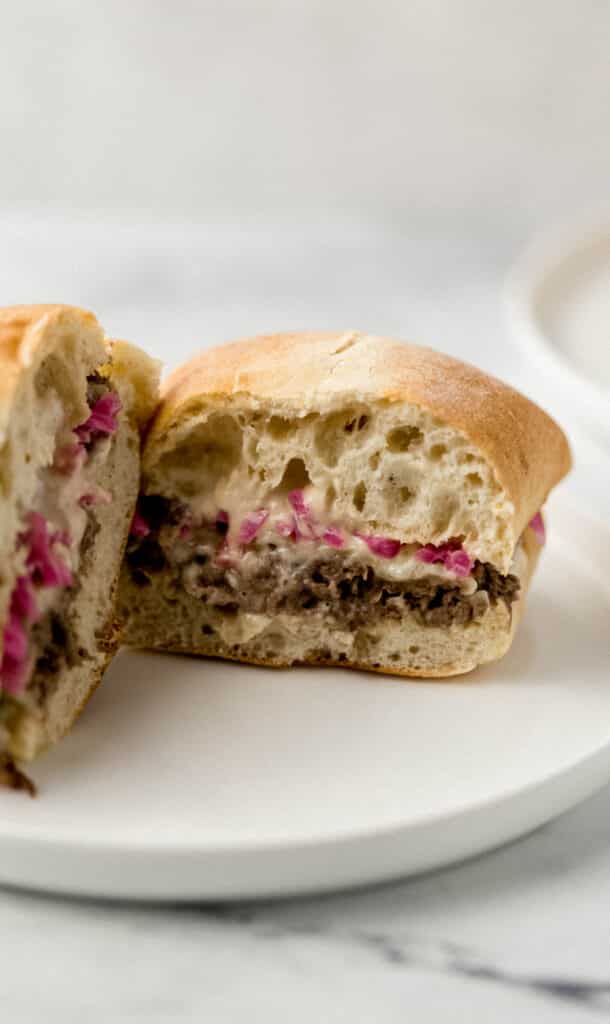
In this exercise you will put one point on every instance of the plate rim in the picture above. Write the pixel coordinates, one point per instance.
(542, 258)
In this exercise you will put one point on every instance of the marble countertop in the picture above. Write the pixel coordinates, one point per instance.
(520, 934)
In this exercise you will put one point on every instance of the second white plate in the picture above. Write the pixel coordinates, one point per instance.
(559, 313)
(192, 779)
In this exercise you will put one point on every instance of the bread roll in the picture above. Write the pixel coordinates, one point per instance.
(343, 499)
(72, 406)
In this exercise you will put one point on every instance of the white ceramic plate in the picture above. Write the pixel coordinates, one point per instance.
(187, 779)
(559, 313)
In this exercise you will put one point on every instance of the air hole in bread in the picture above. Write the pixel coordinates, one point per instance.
(406, 494)
(413, 649)
(359, 496)
(467, 458)
(252, 449)
(294, 477)
(6, 482)
(474, 479)
(337, 431)
(445, 509)
(402, 438)
(374, 461)
(437, 451)
(210, 453)
(279, 427)
(358, 423)
(53, 376)
(330, 495)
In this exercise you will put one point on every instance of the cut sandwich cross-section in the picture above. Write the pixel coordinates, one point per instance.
(72, 406)
(338, 499)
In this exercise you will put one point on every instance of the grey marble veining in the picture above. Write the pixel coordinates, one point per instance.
(521, 934)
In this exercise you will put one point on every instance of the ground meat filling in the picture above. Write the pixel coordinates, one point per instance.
(333, 582)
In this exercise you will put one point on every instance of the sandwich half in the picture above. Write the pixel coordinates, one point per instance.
(72, 405)
(338, 499)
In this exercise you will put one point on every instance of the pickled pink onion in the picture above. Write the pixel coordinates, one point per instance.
(102, 419)
(23, 600)
(69, 459)
(15, 666)
(97, 497)
(46, 569)
(452, 555)
(288, 528)
(308, 527)
(297, 500)
(251, 525)
(139, 527)
(333, 537)
(45, 566)
(537, 525)
(384, 547)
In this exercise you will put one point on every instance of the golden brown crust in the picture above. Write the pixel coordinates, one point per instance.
(135, 369)
(12, 778)
(27, 334)
(527, 450)
(22, 330)
(109, 644)
(198, 652)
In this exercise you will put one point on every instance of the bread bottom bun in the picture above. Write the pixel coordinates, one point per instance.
(169, 619)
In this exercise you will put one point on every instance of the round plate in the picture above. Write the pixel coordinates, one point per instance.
(559, 311)
(189, 779)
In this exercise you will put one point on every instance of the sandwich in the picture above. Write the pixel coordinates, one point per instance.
(338, 499)
(72, 406)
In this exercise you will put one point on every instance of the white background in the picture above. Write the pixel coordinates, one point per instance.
(471, 110)
(351, 164)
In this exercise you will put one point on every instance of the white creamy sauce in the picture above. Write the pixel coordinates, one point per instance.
(239, 505)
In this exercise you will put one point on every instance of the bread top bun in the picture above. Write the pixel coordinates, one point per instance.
(30, 333)
(46, 353)
(470, 430)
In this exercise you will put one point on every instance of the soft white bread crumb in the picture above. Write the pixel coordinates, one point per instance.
(400, 440)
